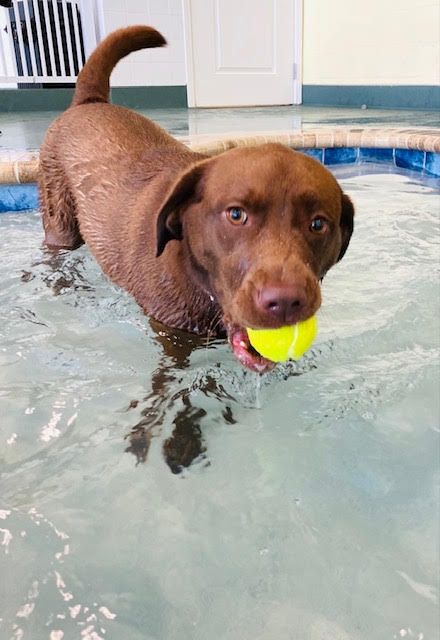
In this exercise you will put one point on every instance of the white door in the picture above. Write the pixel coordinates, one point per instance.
(243, 52)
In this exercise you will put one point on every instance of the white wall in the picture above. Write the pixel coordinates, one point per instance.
(164, 66)
(371, 42)
(7, 52)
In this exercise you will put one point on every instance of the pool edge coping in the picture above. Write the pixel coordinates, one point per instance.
(21, 167)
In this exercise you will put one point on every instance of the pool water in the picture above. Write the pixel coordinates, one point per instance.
(154, 496)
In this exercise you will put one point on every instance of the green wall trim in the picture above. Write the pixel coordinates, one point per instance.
(59, 99)
(387, 97)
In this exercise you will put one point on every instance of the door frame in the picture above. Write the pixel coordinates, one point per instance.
(297, 52)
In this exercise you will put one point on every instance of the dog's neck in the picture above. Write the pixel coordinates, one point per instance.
(206, 315)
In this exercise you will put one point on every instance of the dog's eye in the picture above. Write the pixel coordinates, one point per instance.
(236, 215)
(318, 225)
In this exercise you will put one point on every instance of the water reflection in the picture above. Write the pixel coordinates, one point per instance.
(61, 270)
(185, 445)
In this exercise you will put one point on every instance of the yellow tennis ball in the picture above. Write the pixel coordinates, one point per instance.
(287, 343)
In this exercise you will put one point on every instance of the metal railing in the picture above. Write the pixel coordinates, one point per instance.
(47, 41)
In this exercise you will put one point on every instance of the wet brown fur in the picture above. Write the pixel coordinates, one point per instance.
(115, 180)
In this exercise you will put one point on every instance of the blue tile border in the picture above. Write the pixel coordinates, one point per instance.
(426, 162)
(318, 154)
(340, 155)
(376, 155)
(23, 197)
(432, 163)
(410, 159)
(18, 197)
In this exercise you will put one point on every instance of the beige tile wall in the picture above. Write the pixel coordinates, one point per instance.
(371, 42)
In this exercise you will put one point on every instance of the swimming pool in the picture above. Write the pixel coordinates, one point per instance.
(144, 497)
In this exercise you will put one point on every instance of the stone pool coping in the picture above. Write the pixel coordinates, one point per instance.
(21, 167)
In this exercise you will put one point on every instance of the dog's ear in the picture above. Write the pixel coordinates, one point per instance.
(347, 224)
(186, 189)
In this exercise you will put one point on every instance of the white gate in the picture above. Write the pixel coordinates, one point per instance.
(47, 41)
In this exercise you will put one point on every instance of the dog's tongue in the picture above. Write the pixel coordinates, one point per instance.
(246, 354)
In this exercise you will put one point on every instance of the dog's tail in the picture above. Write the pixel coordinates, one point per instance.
(93, 83)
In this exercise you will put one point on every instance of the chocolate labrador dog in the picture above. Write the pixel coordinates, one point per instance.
(211, 245)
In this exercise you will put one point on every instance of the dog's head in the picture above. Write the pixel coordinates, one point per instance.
(260, 228)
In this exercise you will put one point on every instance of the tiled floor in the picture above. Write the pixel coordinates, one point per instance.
(25, 131)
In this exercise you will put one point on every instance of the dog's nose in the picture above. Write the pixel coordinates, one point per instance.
(283, 303)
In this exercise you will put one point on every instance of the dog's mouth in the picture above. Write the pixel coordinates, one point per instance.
(245, 353)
